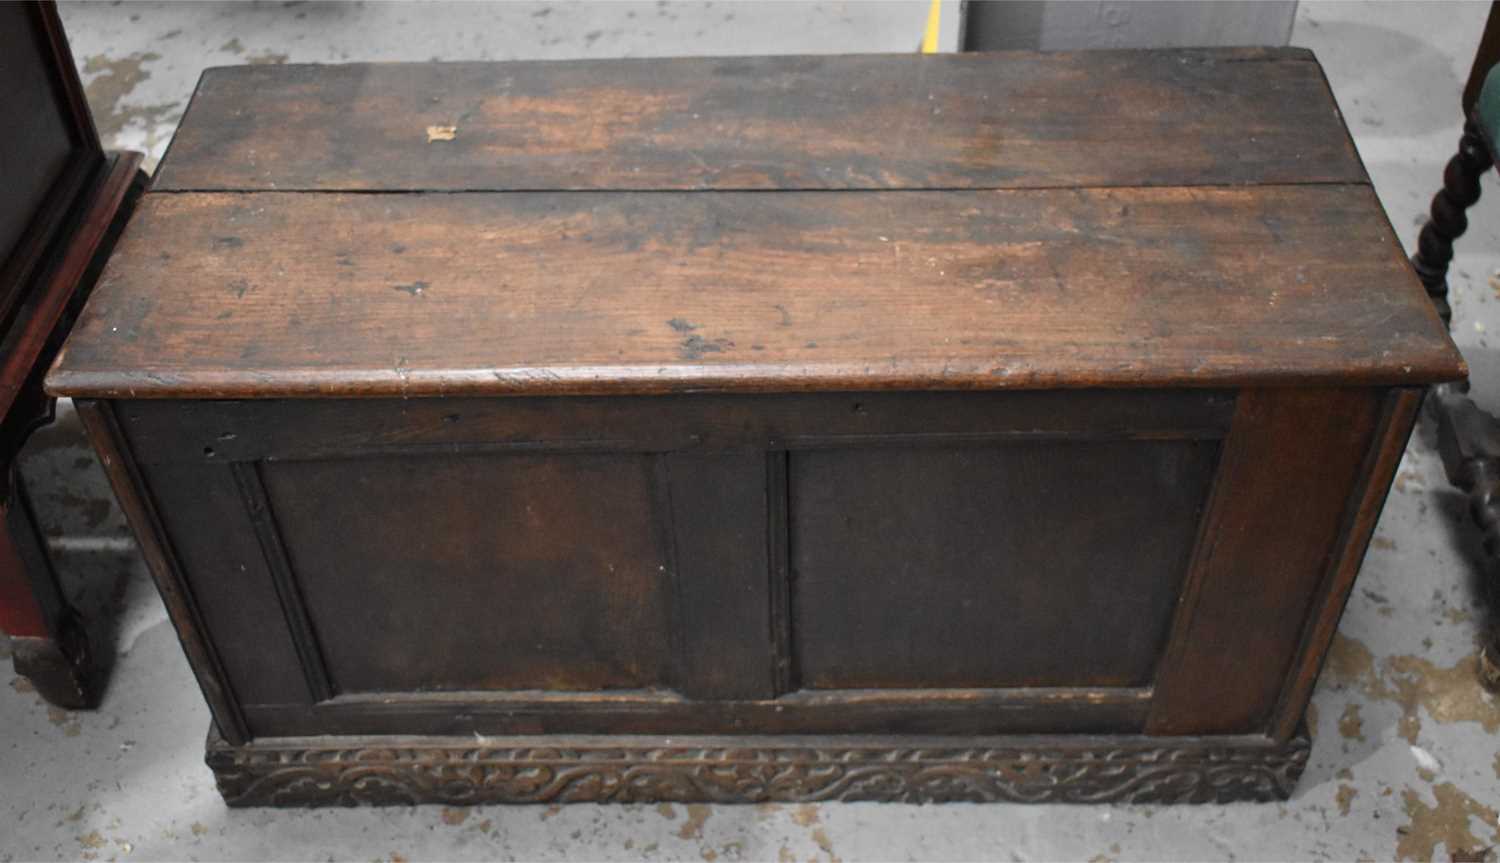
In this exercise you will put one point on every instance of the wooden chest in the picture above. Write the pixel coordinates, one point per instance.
(981, 427)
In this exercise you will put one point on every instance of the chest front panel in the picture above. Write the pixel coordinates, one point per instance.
(703, 564)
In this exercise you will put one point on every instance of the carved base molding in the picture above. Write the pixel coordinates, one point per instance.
(358, 771)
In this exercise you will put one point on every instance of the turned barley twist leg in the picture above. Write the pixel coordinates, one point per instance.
(1448, 222)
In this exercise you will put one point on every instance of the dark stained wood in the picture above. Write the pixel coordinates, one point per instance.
(779, 572)
(1273, 527)
(24, 610)
(289, 595)
(356, 481)
(402, 771)
(1398, 415)
(212, 432)
(454, 572)
(228, 575)
(947, 567)
(50, 640)
(1448, 220)
(1073, 710)
(49, 151)
(1448, 217)
(62, 204)
(1059, 403)
(62, 208)
(270, 294)
(718, 528)
(66, 280)
(1018, 120)
(140, 511)
(27, 89)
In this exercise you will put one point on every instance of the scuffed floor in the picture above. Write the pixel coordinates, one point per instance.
(1406, 760)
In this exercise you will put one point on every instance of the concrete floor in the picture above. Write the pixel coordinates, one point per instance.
(1405, 762)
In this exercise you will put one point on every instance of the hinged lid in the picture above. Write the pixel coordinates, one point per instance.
(1117, 218)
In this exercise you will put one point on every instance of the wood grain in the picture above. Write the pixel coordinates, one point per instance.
(1398, 415)
(230, 580)
(1274, 526)
(716, 520)
(183, 608)
(274, 294)
(210, 432)
(744, 768)
(467, 532)
(1052, 710)
(1008, 120)
(949, 567)
(1021, 394)
(63, 202)
(462, 572)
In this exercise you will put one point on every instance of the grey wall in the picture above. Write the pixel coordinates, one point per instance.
(992, 25)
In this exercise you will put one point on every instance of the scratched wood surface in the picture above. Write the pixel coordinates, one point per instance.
(1011, 120)
(1172, 218)
(1190, 228)
(285, 294)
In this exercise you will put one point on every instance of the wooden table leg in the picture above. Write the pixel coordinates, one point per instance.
(50, 645)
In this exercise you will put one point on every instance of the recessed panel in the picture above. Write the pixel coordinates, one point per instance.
(1033, 564)
(478, 572)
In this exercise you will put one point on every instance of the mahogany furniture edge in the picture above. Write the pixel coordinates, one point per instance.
(101, 211)
(84, 159)
(50, 641)
(678, 379)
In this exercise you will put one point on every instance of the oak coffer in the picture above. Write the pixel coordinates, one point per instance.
(981, 427)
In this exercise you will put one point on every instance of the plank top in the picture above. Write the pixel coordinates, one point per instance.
(1107, 219)
(1008, 120)
(290, 294)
